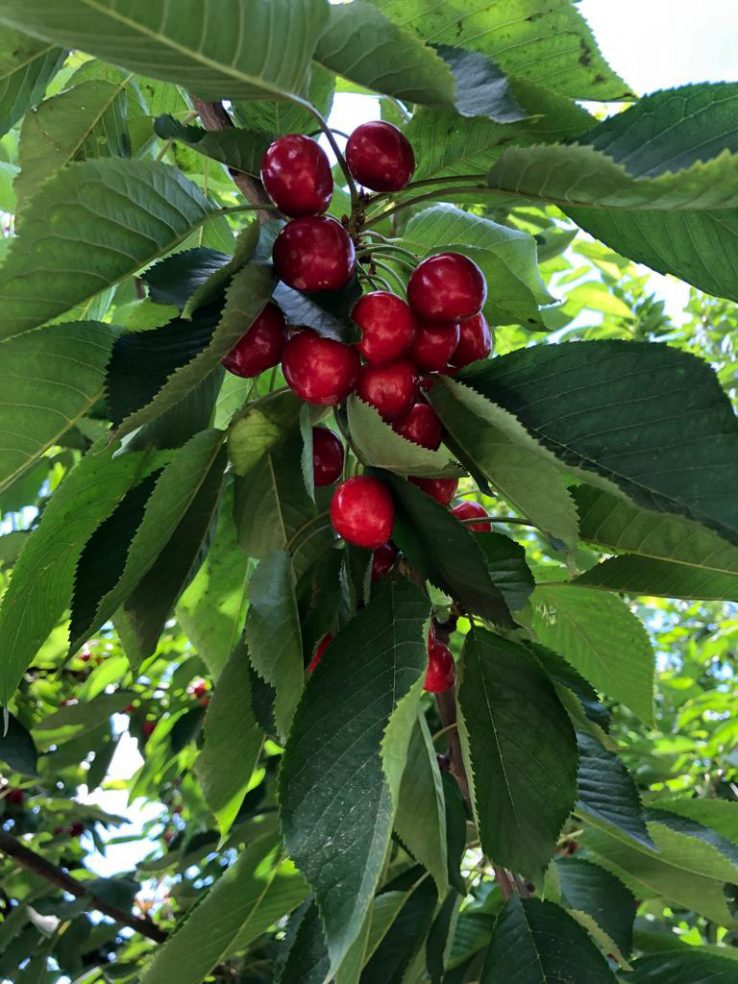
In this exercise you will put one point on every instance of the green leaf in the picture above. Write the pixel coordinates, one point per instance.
(92, 225)
(507, 568)
(537, 942)
(77, 719)
(521, 752)
(48, 382)
(481, 88)
(240, 149)
(506, 256)
(599, 635)
(444, 551)
(404, 938)
(278, 117)
(232, 742)
(263, 425)
(307, 961)
(328, 312)
(27, 65)
(175, 279)
(381, 446)
(704, 851)
(689, 966)
(664, 555)
(721, 815)
(252, 894)
(588, 889)
(336, 802)
(17, 748)
(242, 51)
(492, 442)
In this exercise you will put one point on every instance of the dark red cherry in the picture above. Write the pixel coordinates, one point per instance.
(296, 174)
(362, 512)
(76, 829)
(390, 389)
(439, 675)
(441, 489)
(380, 157)
(15, 796)
(320, 649)
(383, 560)
(261, 347)
(420, 425)
(387, 327)
(327, 456)
(446, 287)
(314, 253)
(475, 341)
(433, 345)
(318, 369)
(472, 510)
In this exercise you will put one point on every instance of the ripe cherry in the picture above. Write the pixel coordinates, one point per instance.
(387, 327)
(439, 675)
(147, 728)
(76, 829)
(327, 456)
(472, 510)
(296, 174)
(441, 489)
(314, 253)
(433, 345)
(319, 370)
(15, 796)
(261, 347)
(475, 341)
(446, 287)
(420, 425)
(320, 649)
(362, 512)
(380, 157)
(391, 389)
(198, 689)
(383, 560)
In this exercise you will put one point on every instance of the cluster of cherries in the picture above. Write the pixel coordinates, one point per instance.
(404, 344)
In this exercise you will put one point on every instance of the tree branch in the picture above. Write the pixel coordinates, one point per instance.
(27, 858)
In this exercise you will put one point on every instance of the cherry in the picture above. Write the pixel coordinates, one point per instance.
(296, 174)
(387, 326)
(319, 370)
(261, 347)
(76, 829)
(472, 510)
(327, 456)
(439, 675)
(383, 560)
(446, 287)
(433, 345)
(314, 253)
(147, 728)
(15, 796)
(420, 425)
(362, 512)
(321, 648)
(380, 156)
(441, 489)
(198, 689)
(391, 389)
(475, 341)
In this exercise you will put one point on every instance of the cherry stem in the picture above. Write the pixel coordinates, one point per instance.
(388, 269)
(426, 182)
(374, 280)
(234, 209)
(430, 196)
(403, 255)
(315, 532)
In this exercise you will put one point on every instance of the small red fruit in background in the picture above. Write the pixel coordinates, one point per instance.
(475, 341)
(380, 157)
(446, 287)
(296, 174)
(433, 345)
(314, 253)
(319, 370)
(472, 510)
(362, 512)
(420, 425)
(261, 347)
(441, 489)
(147, 728)
(321, 648)
(198, 689)
(391, 389)
(440, 674)
(387, 327)
(76, 829)
(327, 456)
(15, 796)
(383, 560)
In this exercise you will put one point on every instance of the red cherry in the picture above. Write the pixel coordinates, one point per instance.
(128, 709)
(147, 728)
(321, 648)
(475, 341)
(327, 456)
(261, 347)
(362, 512)
(387, 327)
(441, 671)
(198, 689)
(76, 829)
(380, 156)
(391, 389)
(318, 369)
(446, 287)
(296, 174)
(420, 425)
(314, 253)
(433, 345)
(472, 510)
(441, 489)
(383, 560)
(15, 796)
